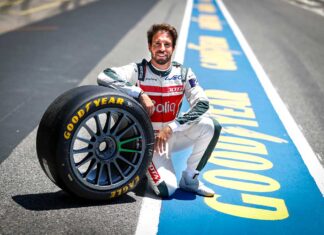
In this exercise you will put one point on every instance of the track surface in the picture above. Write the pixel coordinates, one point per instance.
(288, 41)
(38, 65)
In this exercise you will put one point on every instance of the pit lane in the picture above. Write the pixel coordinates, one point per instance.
(31, 204)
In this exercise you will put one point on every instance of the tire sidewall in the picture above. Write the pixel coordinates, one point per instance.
(72, 115)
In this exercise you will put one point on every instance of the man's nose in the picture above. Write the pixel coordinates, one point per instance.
(162, 48)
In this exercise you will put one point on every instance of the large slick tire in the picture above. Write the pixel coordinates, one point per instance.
(95, 142)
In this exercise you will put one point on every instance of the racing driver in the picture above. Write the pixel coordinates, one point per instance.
(160, 86)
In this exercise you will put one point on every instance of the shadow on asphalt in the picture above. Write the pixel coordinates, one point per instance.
(178, 195)
(62, 200)
(144, 190)
(183, 195)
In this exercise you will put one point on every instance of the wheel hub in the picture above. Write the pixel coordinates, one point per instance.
(106, 148)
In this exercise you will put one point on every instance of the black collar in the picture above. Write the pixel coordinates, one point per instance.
(159, 72)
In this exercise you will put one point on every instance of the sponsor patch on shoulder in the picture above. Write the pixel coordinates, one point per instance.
(193, 82)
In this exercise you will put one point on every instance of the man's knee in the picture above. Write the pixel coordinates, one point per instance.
(210, 126)
(217, 126)
(213, 136)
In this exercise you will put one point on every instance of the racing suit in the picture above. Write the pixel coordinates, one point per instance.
(167, 89)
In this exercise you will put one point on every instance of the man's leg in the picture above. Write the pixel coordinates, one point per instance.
(161, 175)
(203, 136)
(209, 131)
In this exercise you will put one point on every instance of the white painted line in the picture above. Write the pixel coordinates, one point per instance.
(308, 155)
(149, 217)
(182, 39)
(312, 6)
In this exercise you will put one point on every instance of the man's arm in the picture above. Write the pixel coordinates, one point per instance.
(124, 79)
(199, 103)
(121, 78)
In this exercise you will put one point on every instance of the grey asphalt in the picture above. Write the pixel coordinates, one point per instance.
(36, 66)
(289, 43)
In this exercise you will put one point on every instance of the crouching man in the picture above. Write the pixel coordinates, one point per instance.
(160, 86)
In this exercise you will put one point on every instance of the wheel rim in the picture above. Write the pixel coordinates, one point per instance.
(107, 149)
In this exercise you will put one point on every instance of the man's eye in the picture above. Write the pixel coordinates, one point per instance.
(158, 45)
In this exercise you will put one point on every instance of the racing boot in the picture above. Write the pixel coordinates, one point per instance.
(192, 184)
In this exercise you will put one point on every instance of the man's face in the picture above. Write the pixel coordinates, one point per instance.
(161, 48)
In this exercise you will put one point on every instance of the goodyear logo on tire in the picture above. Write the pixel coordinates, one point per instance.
(78, 115)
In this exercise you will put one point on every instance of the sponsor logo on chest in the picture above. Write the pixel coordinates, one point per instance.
(173, 78)
(166, 107)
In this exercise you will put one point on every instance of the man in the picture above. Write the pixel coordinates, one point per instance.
(160, 85)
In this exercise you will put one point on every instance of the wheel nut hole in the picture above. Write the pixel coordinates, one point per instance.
(102, 146)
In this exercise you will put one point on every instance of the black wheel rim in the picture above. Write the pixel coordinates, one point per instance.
(107, 149)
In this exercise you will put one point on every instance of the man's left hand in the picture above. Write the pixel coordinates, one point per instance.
(162, 138)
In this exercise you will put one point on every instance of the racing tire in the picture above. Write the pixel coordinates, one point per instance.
(95, 142)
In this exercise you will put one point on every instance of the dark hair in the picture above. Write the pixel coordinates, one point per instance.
(162, 27)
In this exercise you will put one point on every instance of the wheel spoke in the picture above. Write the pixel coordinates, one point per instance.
(121, 149)
(109, 173)
(86, 159)
(125, 160)
(84, 140)
(106, 128)
(125, 130)
(98, 124)
(130, 140)
(119, 170)
(90, 168)
(89, 130)
(101, 166)
(117, 124)
(129, 150)
(83, 150)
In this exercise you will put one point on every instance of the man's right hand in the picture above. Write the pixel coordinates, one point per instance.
(147, 103)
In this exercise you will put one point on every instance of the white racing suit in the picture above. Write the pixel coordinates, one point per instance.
(167, 89)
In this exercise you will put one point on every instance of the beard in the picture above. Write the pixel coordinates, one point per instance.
(162, 61)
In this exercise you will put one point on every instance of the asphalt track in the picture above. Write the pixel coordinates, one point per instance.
(37, 66)
(288, 42)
